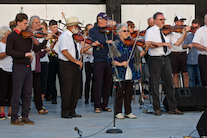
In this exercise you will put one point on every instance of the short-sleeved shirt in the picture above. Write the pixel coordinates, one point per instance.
(200, 37)
(173, 37)
(5, 63)
(193, 54)
(153, 34)
(66, 43)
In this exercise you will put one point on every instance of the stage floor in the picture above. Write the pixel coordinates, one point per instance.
(52, 125)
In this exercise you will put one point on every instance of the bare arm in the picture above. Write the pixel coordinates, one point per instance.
(199, 46)
(124, 63)
(3, 55)
(182, 38)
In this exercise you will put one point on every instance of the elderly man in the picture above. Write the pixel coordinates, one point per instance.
(102, 69)
(70, 65)
(20, 50)
(159, 63)
(200, 42)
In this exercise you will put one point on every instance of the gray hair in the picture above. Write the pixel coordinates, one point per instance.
(119, 27)
(205, 16)
(3, 31)
(31, 20)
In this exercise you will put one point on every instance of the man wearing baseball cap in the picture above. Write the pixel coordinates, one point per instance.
(102, 69)
(178, 56)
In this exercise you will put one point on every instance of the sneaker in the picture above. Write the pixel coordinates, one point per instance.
(27, 121)
(119, 116)
(131, 116)
(9, 116)
(2, 116)
(17, 122)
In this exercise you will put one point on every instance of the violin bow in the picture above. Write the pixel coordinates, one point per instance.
(34, 37)
(112, 34)
(172, 25)
(134, 44)
(63, 16)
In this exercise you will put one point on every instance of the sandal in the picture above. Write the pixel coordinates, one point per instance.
(43, 111)
(97, 110)
(106, 109)
(176, 111)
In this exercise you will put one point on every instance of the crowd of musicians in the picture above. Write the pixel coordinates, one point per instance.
(30, 63)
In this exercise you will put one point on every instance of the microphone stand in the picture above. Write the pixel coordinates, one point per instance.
(114, 129)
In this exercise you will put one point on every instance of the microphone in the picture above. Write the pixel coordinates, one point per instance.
(76, 129)
(103, 31)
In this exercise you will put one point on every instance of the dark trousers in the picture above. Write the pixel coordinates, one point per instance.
(53, 71)
(43, 77)
(71, 74)
(202, 62)
(89, 77)
(124, 93)
(102, 83)
(22, 88)
(158, 66)
(6, 87)
(37, 91)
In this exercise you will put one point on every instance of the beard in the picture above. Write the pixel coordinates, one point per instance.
(74, 30)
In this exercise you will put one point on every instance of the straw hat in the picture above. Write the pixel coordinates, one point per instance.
(72, 21)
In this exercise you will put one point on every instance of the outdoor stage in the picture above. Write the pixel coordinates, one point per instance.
(52, 125)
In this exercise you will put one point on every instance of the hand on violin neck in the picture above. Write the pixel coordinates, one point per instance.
(49, 36)
(186, 29)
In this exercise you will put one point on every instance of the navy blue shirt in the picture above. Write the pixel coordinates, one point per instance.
(192, 55)
(100, 53)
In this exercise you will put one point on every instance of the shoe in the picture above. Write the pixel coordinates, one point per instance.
(132, 98)
(97, 110)
(145, 97)
(9, 116)
(48, 98)
(54, 101)
(120, 116)
(2, 116)
(67, 116)
(43, 111)
(75, 115)
(106, 109)
(17, 122)
(86, 102)
(131, 116)
(157, 113)
(27, 121)
(176, 111)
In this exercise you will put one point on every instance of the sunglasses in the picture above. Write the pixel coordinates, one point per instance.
(132, 26)
(125, 31)
(162, 19)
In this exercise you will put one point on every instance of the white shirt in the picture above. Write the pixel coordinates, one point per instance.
(45, 58)
(200, 37)
(88, 57)
(66, 43)
(5, 63)
(173, 37)
(153, 34)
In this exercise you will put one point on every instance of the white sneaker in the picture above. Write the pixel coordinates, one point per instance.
(119, 116)
(131, 116)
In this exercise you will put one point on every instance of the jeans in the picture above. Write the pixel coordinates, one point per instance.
(194, 72)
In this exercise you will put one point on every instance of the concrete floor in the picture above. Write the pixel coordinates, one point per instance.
(52, 125)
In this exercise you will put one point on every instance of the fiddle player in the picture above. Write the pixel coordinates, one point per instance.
(200, 42)
(19, 49)
(159, 64)
(70, 68)
(128, 71)
(178, 56)
(54, 65)
(192, 61)
(102, 69)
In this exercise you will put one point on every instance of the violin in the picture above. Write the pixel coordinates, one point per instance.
(141, 33)
(28, 33)
(88, 40)
(130, 42)
(108, 29)
(167, 29)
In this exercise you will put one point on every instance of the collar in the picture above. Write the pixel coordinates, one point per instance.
(69, 32)
(156, 27)
(17, 31)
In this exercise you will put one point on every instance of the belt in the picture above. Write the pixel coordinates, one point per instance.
(160, 56)
(179, 52)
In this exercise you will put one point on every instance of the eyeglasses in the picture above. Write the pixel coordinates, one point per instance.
(132, 26)
(162, 19)
(125, 31)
